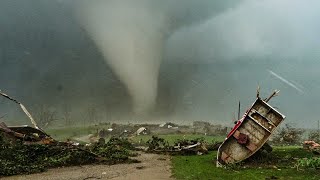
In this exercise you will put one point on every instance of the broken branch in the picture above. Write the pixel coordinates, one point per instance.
(24, 109)
(275, 93)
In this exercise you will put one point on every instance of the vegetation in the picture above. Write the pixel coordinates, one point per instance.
(313, 162)
(279, 164)
(18, 158)
(288, 135)
(284, 162)
(71, 132)
(157, 143)
(63, 134)
(314, 135)
(172, 138)
(45, 116)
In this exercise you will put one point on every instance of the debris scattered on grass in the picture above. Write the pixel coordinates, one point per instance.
(17, 157)
(182, 147)
(312, 146)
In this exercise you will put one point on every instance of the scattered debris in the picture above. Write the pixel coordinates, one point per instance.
(25, 150)
(169, 125)
(182, 147)
(131, 130)
(141, 131)
(312, 146)
(26, 134)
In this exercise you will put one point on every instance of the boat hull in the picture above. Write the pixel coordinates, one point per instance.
(250, 133)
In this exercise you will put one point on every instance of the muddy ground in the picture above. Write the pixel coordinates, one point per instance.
(152, 166)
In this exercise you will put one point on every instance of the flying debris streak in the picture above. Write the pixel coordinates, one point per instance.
(298, 85)
(286, 81)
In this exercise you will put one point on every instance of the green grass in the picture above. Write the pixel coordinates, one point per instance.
(171, 138)
(280, 163)
(204, 167)
(63, 134)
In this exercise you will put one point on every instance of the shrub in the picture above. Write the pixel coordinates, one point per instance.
(18, 158)
(288, 136)
(313, 162)
(314, 136)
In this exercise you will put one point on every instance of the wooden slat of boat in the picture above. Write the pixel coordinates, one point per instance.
(266, 110)
(274, 118)
(261, 108)
(264, 122)
(252, 119)
(255, 134)
(265, 118)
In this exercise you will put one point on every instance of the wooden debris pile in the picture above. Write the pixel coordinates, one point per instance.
(181, 147)
(30, 153)
(26, 134)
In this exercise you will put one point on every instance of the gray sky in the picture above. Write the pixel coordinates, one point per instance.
(254, 38)
(210, 61)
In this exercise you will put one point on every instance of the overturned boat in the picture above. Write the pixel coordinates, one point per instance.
(250, 133)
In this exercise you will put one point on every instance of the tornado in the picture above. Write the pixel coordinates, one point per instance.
(131, 34)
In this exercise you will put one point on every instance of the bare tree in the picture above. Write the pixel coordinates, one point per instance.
(45, 116)
(90, 115)
(66, 114)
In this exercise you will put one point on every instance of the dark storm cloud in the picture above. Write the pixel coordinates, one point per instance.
(215, 54)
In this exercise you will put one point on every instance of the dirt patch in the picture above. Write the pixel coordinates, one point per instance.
(152, 166)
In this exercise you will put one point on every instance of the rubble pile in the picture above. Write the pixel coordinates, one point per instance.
(312, 146)
(180, 147)
(31, 153)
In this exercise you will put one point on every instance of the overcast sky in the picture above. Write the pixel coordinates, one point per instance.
(210, 61)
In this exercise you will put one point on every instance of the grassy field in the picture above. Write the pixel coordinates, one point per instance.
(63, 134)
(279, 164)
(171, 138)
